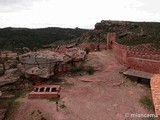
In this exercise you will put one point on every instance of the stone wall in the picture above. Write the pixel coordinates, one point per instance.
(138, 60)
(110, 38)
(91, 45)
(45, 91)
(147, 65)
(120, 52)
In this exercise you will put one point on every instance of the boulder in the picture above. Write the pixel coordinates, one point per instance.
(40, 58)
(41, 72)
(4, 80)
(75, 54)
(10, 76)
(12, 72)
(11, 64)
(44, 63)
(8, 55)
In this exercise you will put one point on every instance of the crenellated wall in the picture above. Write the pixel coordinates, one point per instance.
(138, 60)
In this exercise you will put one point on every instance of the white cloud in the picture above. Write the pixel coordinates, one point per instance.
(73, 13)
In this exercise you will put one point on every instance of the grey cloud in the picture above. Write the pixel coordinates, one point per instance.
(150, 5)
(15, 5)
(13, 2)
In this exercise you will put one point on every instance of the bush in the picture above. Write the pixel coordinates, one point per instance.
(146, 102)
(56, 79)
(76, 69)
(21, 75)
(87, 50)
(90, 71)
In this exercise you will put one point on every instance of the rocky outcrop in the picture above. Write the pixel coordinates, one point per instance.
(9, 77)
(115, 25)
(12, 63)
(26, 49)
(46, 63)
(8, 55)
(8, 67)
(8, 59)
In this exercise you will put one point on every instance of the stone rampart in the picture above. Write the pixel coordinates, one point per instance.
(147, 61)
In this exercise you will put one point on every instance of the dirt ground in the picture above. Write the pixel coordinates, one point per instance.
(105, 95)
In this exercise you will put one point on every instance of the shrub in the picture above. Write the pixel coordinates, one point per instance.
(55, 99)
(87, 50)
(76, 69)
(56, 79)
(90, 70)
(146, 102)
(21, 75)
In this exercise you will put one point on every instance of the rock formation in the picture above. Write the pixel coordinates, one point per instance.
(46, 63)
(8, 67)
(10, 76)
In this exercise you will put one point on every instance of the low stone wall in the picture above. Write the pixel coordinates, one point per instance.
(91, 45)
(147, 62)
(144, 55)
(146, 65)
(45, 91)
(120, 52)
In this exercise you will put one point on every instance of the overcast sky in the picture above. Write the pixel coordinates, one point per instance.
(74, 13)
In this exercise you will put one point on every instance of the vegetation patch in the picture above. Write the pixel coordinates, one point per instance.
(66, 84)
(10, 103)
(56, 79)
(52, 45)
(90, 71)
(146, 102)
(54, 99)
(11, 38)
(76, 69)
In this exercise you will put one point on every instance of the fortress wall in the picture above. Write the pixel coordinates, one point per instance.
(138, 60)
(146, 65)
(92, 45)
(120, 52)
(144, 55)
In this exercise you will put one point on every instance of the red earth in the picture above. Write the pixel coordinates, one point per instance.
(105, 95)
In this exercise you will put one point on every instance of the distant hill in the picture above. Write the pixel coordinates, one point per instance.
(11, 38)
(128, 33)
(132, 33)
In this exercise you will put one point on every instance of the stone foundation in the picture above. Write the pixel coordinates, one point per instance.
(45, 91)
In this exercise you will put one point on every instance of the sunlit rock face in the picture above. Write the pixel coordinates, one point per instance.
(46, 63)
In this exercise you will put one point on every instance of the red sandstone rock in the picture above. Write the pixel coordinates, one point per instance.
(45, 63)
(10, 76)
